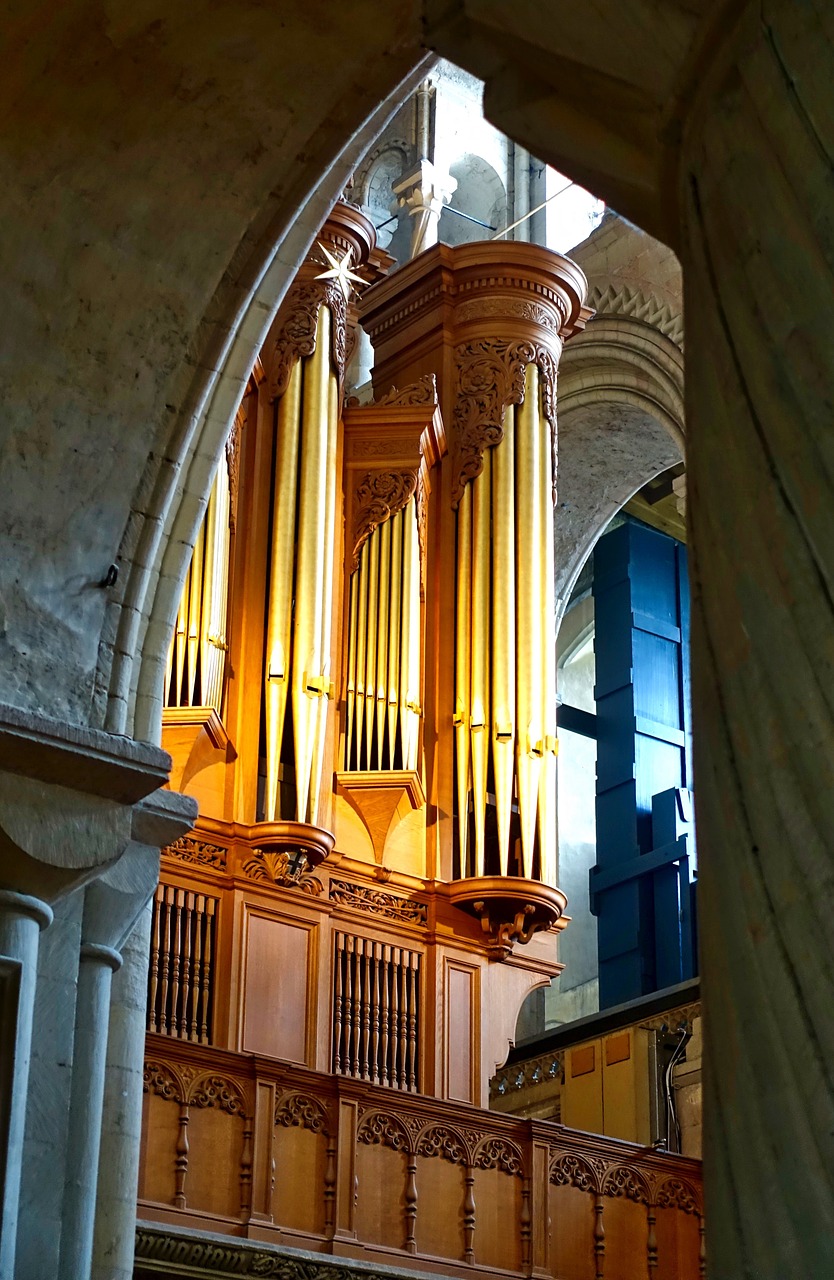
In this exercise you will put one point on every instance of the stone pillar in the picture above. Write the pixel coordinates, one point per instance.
(758, 257)
(21, 919)
(113, 904)
(66, 809)
(424, 194)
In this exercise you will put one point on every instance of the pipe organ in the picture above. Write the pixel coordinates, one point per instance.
(361, 687)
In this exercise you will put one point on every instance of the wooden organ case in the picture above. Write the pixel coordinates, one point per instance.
(361, 696)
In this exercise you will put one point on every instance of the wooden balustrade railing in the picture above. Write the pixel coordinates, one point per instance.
(247, 1146)
(181, 973)
(375, 1012)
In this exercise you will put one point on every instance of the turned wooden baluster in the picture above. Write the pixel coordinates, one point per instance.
(403, 977)
(395, 1017)
(375, 1012)
(386, 970)
(350, 1067)
(365, 1002)
(411, 1204)
(207, 962)
(525, 1227)
(412, 1024)
(153, 1018)
(196, 968)
(181, 1160)
(469, 1216)
(337, 1004)
(651, 1241)
(176, 957)
(702, 1248)
(599, 1238)
(187, 959)
(246, 1169)
(165, 959)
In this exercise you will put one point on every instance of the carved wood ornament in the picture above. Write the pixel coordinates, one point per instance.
(490, 377)
(297, 336)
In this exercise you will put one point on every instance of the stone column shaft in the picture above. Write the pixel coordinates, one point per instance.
(21, 919)
(758, 258)
(98, 964)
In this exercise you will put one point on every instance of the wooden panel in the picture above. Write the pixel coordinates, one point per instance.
(497, 1219)
(215, 1141)
(626, 1236)
(571, 1233)
(277, 987)
(440, 1192)
(300, 1161)
(460, 1003)
(380, 1205)
(678, 1243)
(160, 1124)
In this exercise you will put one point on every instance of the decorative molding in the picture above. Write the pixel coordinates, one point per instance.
(302, 1111)
(379, 495)
(625, 301)
(197, 852)
(549, 317)
(423, 391)
(390, 906)
(297, 335)
(526, 1075)
(490, 376)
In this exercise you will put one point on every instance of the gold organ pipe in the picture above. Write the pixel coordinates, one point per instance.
(207, 650)
(320, 714)
(279, 617)
(307, 679)
(394, 624)
(463, 675)
(370, 656)
(529, 570)
(361, 650)
(195, 602)
(221, 596)
(351, 678)
(410, 663)
(480, 719)
(383, 639)
(503, 631)
(547, 780)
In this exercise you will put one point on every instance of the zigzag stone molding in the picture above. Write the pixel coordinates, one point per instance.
(632, 302)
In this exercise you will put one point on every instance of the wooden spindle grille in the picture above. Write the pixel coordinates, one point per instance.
(181, 976)
(376, 1012)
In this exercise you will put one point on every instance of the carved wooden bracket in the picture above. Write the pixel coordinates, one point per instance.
(490, 376)
(510, 908)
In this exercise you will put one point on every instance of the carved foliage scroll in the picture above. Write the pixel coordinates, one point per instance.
(423, 391)
(297, 335)
(383, 1128)
(301, 1110)
(573, 1171)
(496, 1153)
(380, 495)
(197, 852)
(390, 906)
(491, 377)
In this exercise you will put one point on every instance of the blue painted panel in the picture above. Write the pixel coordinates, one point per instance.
(645, 923)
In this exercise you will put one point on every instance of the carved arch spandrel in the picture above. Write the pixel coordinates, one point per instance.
(445, 1141)
(163, 1079)
(676, 1193)
(386, 1129)
(212, 1090)
(499, 1153)
(567, 1170)
(302, 1111)
(296, 337)
(622, 1180)
(490, 377)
